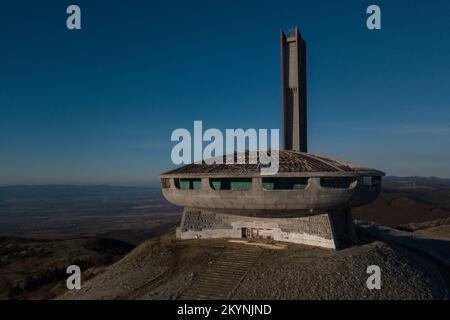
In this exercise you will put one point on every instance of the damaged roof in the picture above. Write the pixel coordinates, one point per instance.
(289, 162)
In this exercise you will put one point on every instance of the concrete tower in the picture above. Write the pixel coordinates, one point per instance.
(293, 83)
(307, 201)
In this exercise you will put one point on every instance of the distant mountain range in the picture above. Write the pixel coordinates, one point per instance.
(71, 210)
(405, 200)
(433, 182)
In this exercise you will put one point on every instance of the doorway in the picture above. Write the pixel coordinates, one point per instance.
(257, 233)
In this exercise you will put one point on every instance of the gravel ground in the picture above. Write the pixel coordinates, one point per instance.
(313, 274)
(162, 268)
(157, 269)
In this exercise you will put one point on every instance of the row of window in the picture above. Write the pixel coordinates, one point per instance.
(268, 183)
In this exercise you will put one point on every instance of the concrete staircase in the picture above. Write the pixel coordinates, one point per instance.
(223, 275)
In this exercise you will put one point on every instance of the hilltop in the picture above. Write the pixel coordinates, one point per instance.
(164, 268)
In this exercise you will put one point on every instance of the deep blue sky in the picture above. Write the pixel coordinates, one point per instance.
(98, 105)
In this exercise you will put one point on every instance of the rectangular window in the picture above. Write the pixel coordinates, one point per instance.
(188, 183)
(367, 181)
(236, 184)
(372, 182)
(284, 183)
(337, 182)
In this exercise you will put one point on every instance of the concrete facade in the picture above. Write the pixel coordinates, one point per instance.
(324, 230)
(272, 203)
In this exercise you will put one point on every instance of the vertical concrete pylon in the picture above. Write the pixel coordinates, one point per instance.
(293, 83)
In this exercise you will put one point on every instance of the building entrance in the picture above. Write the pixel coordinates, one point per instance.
(257, 233)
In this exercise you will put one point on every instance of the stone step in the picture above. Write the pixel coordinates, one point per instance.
(223, 275)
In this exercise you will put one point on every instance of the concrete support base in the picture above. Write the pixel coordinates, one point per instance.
(332, 230)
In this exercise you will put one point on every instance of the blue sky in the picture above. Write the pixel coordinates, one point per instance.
(98, 105)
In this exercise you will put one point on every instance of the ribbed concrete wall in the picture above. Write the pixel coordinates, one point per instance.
(314, 230)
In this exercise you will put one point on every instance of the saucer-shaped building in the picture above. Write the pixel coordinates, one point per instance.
(307, 201)
(305, 184)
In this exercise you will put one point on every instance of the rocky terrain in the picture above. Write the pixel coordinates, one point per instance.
(164, 268)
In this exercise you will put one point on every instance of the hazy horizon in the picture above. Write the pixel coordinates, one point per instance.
(156, 183)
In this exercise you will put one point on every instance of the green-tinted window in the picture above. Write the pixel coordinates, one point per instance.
(188, 183)
(231, 183)
(336, 182)
(284, 183)
(216, 185)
